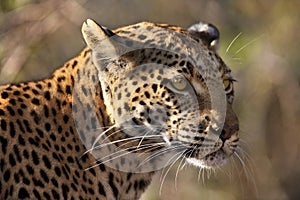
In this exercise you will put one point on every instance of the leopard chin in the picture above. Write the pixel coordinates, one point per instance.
(216, 158)
(212, 160)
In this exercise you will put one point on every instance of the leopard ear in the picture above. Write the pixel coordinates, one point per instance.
(208, 33)
(106, 46)
(102, 41)
(94, 34)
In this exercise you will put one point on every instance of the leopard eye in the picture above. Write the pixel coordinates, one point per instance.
(226, 83)
(179, 82)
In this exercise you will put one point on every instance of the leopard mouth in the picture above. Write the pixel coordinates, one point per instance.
(212, 160)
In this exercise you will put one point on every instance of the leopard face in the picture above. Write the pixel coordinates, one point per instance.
(171, 87)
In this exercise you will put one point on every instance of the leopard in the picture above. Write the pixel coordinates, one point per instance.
(135, 100)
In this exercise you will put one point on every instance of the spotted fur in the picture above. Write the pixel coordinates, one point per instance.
(44, 125)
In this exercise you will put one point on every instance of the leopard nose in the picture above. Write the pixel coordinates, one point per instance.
(228, 131)
(231, 125)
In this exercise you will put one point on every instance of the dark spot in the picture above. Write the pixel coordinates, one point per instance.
(36, 117)
(144, 78)
(39, 86)
(6, 175)
(66, 118)
(119, 111)
(149, 28)
(20, 112)
(37, 194)
(112, 185)
(46, 162)
(154, 88)
(135, 185)
(57, 171)
(142, 103)
(46, 195)
(54, 182)
(17, 178)
(47, 95)
(4, 95)
(47, 126)
(182, 63)
(26, 181)
(73, 186)
(10, 110)
(40, 133)
(135, 99)
(44, 176)
(70, 159)
(84, 90)
(68, 89)
(142, 37)
(27, 125)
(3, 124)
(34, 91)
(101, 166)
(91, 191)
(53, 112)
(190, 67)
(119, 96)
(12, 160)
(23, 193)
(29, 169)
(12, 130)
(142, 184)
(16, 93)
(1, 164)
(60, 79)
(35, 157)
(35, 101)
(55, 194)
(17, 153)
(12, 102)
(3, 144)
(128, 176)
(74, 64)
(46, 111)
(185, 70)
(207, 118)
(20, 126)
(27, 96)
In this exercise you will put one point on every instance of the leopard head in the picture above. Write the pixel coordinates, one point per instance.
(167, 88)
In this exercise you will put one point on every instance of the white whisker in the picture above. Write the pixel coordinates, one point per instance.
(231, 43)
(121, 155)
(160, 152)
(248, 172)
(144, 146)
(131, 139)
(246, 45)
(177, 171)
(162, 179)
(102, 134)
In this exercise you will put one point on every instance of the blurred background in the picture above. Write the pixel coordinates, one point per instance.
(259, 41)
